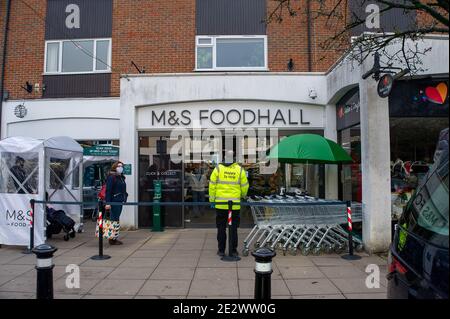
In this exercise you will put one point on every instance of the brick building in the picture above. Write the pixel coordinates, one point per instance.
(215, 65)
(157, 35)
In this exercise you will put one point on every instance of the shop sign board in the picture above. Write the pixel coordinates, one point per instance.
(226, 114)
(419, 98)
(385, 85)
(101, 150)
(348, 110)
(126, 169)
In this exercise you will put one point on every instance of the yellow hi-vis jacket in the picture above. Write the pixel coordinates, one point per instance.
(227, 183)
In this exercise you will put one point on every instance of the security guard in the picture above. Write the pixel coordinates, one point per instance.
(228, 182)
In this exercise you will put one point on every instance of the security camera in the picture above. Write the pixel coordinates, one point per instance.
(312, 94)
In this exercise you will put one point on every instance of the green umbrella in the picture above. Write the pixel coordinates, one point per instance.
(309, 149)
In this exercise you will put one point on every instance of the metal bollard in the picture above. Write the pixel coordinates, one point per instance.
(44, 267)
(263, 273)
(29, 249)
(100, 255)
(231, 234)
(350, 255)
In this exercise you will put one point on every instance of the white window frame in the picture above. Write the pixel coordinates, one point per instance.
(214, 52)
(94, 60)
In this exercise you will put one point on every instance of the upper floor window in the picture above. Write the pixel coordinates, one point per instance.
(77, 56)
(231, 53)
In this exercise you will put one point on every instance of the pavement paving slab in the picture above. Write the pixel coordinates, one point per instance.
(88, 296)
(355, 285)
(278, 288)
(165, 288)
(288, 272)
(381, 295)
(63, 285)
(216, 273)
(180, 264)
(171, 262)
(23, 260)
(131, 273)
(19, 284)
(214, 288)
(16, 295)
(128, 287)
(149, 253)
(133, 262)
(159, 297)
(330, 261)
(173, 273)
(14, 270)
(215, 262)
(342, 271)
(333, 296)
(293, 261)
(5, 278)
(299, 287)
(114, 261)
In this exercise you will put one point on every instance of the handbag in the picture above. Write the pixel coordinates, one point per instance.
(110, 228)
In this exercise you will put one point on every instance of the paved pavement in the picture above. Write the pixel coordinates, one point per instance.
(182, 263)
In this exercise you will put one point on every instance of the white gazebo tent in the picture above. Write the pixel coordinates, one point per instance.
(49, 167)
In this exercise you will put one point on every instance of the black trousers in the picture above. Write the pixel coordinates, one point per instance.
(222, 224)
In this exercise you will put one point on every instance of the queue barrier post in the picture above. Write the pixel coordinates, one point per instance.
(100, 255)
(231, 234)
(29, 249)
(350, 255)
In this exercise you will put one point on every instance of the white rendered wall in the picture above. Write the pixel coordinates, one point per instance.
(141, 92)
(81, 119)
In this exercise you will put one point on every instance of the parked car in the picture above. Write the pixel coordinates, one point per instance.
(419, 254)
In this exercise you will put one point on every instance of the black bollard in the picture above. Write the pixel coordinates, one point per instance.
(44, 267)
(29, 249)
(263, 272)
(231, 235)
(100, 255)
(350, 255)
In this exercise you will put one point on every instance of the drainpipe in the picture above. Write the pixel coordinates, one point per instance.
(308, 28)
(5, 43)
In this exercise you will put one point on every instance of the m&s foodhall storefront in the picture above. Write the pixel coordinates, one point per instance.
(175, 128)
(194, 115)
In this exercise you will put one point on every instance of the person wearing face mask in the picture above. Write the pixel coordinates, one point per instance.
(116, 191)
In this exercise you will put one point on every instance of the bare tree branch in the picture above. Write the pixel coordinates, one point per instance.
(337, 16)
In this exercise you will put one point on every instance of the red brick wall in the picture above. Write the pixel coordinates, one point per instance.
(158, 35)
(2, 27)
(289, 39)
(325, 55)
(25, 56)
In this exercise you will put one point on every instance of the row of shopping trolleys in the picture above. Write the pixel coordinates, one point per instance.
(293, 223)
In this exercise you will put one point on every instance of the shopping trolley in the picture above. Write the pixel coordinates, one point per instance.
(297, 222)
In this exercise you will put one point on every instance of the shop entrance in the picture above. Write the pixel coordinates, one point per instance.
(187, 180)
(182, 181)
